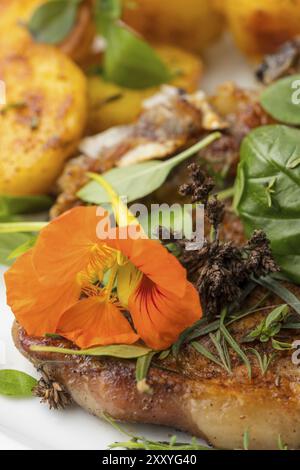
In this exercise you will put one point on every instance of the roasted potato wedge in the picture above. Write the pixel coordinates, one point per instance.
(14, 14)
(111, 105)
(43, 119)
(191, 24)
(260, 27)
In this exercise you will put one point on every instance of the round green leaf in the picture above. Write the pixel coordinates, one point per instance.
(14, 383)
(282, 100)
(268, 191)
(53, 21)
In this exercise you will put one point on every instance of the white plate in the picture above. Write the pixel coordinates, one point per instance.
(25, 424)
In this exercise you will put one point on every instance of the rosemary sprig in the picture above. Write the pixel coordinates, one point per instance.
(206, 353)
(281, 291)
(235, 346)
(221, 347)
(187, 335)
(264, 360)
(141, 443)
(202, 328)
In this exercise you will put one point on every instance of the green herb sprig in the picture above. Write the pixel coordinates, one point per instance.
(142, 179)
(269, 326)
(141, 443)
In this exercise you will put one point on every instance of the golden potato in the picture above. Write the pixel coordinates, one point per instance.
(43, 119)
(259, 27)
(111, 105)
(191, 24)
(14, 14)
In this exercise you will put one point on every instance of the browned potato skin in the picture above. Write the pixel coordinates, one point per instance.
(44, 118)
(14, 14)
(260, 26)
(191, 24)
(127, 106)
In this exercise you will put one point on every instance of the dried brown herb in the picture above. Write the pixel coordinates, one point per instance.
(220, 270)
(51, 392)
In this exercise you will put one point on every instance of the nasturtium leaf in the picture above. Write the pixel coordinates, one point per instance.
(140, 179)
(282, 100)
(52, 21)
(267, 155)
(14, 205)
(130, 62)
(14, 383)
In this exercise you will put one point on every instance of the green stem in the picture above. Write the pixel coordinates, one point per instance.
(148, 445)
(192, 150)
(15, 227)
(226, 194)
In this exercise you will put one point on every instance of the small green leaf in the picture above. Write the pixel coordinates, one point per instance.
(142, 368)
(246, 440)
(14, 383)
(164, 354)
(270, 326)
(9, 243)
(278, 101)
(281, 346)
(281, 444)
(17, 227)
(206, 353)
(142, 179)
(293, 163)
(120, 351)
(14, 205)
(235, 346)
(52, 21)
(278, 315)
(23, 248)
(106, 12)
(130, 62)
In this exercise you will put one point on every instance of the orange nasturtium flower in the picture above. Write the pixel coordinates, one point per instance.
(85, 288)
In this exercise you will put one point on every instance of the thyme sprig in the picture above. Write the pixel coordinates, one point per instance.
(142, 443)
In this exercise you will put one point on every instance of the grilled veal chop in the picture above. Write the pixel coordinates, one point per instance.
(191, 394)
